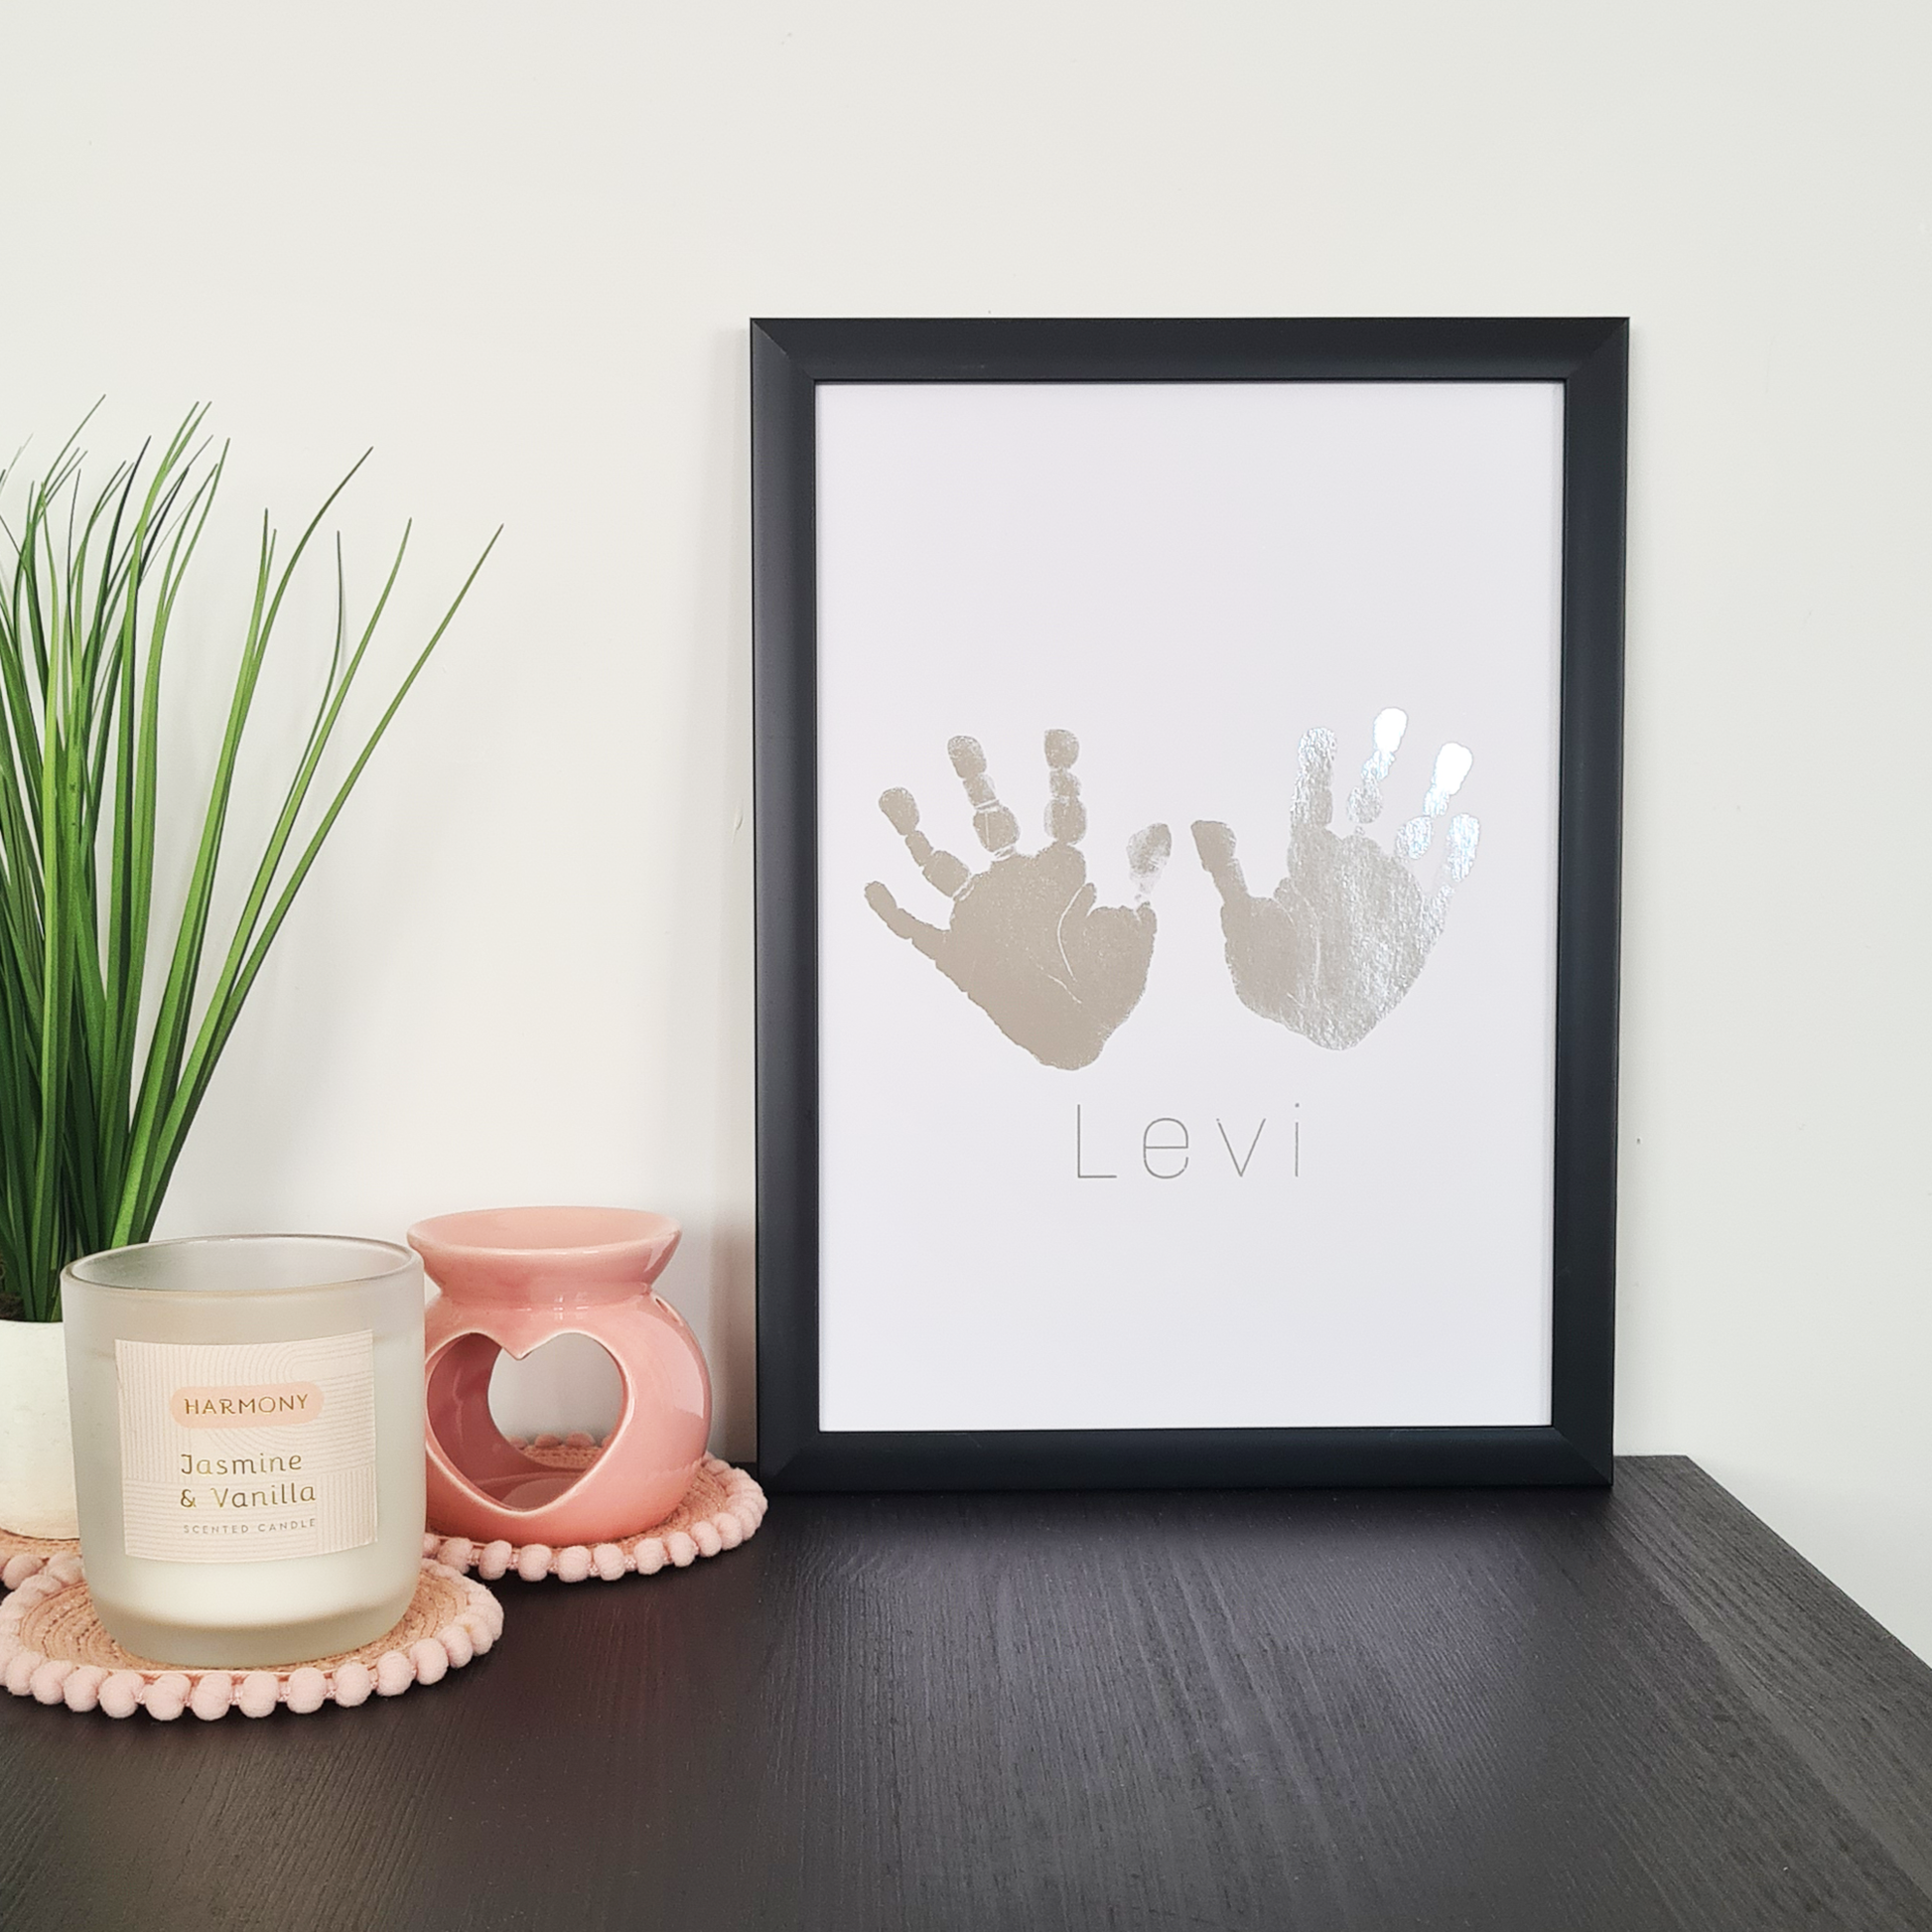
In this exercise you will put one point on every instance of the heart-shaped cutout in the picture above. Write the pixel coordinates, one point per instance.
(463, 1429)
(568, 1385)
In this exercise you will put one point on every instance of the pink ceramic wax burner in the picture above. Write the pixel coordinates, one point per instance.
(511, 1279)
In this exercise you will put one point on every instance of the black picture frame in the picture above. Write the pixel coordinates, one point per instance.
(1590, 357)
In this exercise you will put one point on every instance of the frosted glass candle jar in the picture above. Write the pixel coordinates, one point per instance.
(247, 1443)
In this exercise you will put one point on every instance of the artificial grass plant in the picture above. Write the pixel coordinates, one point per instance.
(98, 1089)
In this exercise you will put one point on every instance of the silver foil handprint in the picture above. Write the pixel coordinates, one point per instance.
(1027, 941)
(1332, 949)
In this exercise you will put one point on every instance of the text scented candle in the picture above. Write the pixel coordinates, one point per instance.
(247, 1443)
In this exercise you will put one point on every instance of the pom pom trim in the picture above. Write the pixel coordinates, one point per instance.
(722, 1509)
(52, 1604)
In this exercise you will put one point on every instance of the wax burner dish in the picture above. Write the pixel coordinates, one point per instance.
(721, 1510)
(54, 1649)
(510, 1281)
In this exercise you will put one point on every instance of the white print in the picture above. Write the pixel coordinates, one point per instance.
(1227, 590)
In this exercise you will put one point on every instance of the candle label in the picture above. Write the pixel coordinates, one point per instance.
(248, 1451)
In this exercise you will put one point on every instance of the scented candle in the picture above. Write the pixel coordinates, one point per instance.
(247, 1443)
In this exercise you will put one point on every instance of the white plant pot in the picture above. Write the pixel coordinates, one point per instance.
(36, 1439)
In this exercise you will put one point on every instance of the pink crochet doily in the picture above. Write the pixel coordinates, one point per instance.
(22, 1556)
(722, 1507)
(53, 1648)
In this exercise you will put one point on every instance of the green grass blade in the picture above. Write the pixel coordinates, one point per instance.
(225, 1007)
(94, 1116)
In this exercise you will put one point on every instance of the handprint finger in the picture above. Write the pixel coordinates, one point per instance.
(940, 867)
(1066, 818)
(928, 938)
(1456, 862)
(998, 829)
(1453, 766)
(1365, 801)
(1463, 833)
(1147, 852)
(1215, 844)
(1314, 798)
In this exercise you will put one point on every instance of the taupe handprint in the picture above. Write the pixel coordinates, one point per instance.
(1338, 942)
(1027, 943)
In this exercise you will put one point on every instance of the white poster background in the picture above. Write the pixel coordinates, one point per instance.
(1187, 576)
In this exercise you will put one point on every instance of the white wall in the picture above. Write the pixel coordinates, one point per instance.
(515, 248)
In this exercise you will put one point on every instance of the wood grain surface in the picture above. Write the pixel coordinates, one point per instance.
(1548, 1709)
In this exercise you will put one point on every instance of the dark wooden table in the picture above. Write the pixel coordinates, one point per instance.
(1488, 1710)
